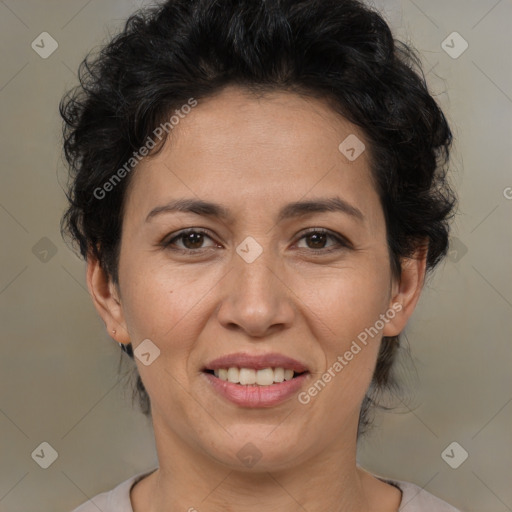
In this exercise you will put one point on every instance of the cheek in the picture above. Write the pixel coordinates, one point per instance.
(347, 299)
(160, 298)
(165, 307)
(169, 305)
(347, 309)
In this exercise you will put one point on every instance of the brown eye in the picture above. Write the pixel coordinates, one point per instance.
(316, 240)
(191, 240)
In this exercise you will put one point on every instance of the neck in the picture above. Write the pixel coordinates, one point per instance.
(305, 487)
(192, 481)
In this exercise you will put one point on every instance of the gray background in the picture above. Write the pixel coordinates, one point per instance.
(59, 377)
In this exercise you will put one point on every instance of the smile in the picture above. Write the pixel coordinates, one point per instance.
(254, 395)
(251, 376)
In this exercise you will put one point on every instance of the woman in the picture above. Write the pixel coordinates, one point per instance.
(258, 188)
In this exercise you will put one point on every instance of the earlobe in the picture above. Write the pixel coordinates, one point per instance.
(106, 300)
(406, 292)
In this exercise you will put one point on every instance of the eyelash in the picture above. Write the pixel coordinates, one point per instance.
(341, 242)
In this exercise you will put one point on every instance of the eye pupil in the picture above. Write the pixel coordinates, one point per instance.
(194, 238)
(316, 237)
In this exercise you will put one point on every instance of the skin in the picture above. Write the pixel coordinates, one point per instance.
(255, 155)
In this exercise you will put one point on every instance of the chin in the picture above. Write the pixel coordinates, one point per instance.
(256, 449)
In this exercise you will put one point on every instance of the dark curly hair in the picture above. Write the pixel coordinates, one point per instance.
(341, 51)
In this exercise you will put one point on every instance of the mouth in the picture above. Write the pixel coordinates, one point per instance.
(256, 380)
(247, 369)
(247, 387)
(255, 377)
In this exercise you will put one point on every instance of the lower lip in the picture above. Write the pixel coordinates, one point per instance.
(257, 396)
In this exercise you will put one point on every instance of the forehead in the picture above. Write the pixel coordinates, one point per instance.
(269, 146)
(238, 118)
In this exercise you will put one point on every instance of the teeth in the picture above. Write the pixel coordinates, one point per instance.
(246, 376)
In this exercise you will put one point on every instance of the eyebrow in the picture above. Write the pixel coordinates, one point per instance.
(291, 210)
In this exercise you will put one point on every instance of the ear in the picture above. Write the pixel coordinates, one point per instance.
(106, 299)
(406, 291)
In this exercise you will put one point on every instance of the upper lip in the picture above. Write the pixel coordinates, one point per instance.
(258, 362)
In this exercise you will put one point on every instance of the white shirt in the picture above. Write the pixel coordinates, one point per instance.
(414, 498)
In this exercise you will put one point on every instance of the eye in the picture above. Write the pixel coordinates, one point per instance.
(192, 240)
(318, 237)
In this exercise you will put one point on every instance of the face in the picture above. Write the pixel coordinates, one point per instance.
(265, 278)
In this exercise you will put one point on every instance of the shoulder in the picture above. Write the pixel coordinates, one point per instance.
(416, 499)
(115, 500)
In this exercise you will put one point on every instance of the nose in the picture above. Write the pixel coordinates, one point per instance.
(257, 300)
